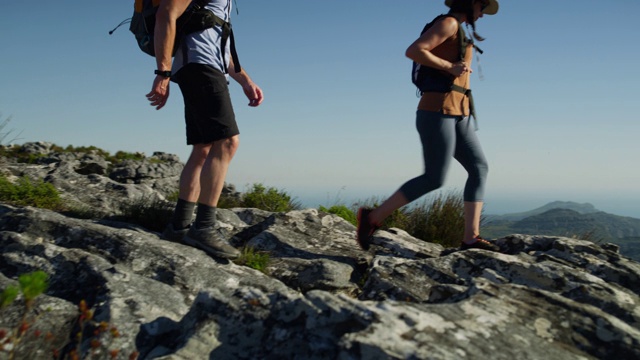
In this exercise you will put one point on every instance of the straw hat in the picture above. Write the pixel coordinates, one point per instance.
(491, 9)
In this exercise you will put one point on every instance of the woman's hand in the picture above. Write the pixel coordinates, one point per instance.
(460, 68)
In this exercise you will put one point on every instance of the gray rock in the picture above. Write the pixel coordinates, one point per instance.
(319, 297)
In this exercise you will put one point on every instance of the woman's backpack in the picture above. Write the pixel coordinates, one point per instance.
(428, 79)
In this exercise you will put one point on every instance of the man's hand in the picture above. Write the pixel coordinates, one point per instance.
(253, 93)
(159, 92)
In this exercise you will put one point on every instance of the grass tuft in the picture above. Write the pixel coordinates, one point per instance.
(28, 193)
(151, 213)
(254, 259)
(438, 218)
(342, 211)
(262, 197)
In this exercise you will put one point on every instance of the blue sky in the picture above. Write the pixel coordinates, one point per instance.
(558, 107)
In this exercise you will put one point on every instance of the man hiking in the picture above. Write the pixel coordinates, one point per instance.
(201, 68)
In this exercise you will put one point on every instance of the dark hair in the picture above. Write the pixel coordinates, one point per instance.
(466, 7)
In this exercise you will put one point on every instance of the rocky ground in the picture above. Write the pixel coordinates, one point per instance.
(320, 297)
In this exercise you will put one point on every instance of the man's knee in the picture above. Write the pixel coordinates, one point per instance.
(225, 148)
(200, 152)
(229, 145)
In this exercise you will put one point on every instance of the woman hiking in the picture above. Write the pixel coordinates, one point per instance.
(443, 121)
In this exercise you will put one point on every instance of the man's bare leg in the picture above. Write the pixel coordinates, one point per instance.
(214, 170)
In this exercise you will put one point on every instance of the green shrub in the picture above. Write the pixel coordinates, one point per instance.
(31, 285)
(122, 156)
(438, 219)
(27, 193)
(15, 152)
(8, 295)
(85, 150)
(151, 213)
(229, 202)
(269, 199)
(254, 259)
(101, 335)
(174, 196)
(342, 211)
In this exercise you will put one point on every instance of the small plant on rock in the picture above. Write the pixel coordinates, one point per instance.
(101, 334)
(269, 199)
(150, 212)
(254, 259)
(28, 193)
(31, 285)
(342, 211)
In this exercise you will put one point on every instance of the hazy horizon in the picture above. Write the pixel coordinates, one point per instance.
(557, 109)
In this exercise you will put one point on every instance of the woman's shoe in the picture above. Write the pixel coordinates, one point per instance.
(365, 228)
(480, 243)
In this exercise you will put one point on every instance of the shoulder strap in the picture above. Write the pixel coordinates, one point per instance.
(227, 34)
(462, 39)
(199, 4)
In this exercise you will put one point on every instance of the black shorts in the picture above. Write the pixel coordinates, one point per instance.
(208, 111)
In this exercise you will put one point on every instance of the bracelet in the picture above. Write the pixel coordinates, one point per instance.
(165, 73)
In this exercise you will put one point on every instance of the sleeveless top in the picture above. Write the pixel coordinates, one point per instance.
(453, 102)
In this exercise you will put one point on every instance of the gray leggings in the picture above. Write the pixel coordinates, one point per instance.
(445, 137)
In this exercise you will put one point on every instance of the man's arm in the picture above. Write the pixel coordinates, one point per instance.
(164, 38)
(251, 90)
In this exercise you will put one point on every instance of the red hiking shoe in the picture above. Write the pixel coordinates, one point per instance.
(365, 228)
(480, 243)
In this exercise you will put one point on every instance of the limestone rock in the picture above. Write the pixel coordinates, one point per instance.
(319, 297)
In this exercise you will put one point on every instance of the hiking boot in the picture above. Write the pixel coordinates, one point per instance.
(365, 228)
(480, 243)
(171, 234)
(210, 240)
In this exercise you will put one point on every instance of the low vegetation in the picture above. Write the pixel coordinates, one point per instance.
(149, 212)
(17, 152)
(254, 259)
(343, 211)
(7, 135)
(100, 335)
(438, 218)
(26, 192)
(261, 197)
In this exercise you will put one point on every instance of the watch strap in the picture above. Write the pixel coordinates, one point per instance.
(165, 73)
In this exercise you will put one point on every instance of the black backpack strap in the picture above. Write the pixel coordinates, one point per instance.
(227, 34)
(464, 41)
(205, 19)
(472, 108)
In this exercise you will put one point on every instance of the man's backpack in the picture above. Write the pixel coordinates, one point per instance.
(195, 18)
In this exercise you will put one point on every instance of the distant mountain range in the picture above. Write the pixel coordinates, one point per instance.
(565, 218)
(585, 208)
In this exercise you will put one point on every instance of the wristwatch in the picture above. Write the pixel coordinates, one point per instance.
(165, 73)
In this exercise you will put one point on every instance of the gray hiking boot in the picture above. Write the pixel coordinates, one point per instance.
(172, 234)
(211, 241)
